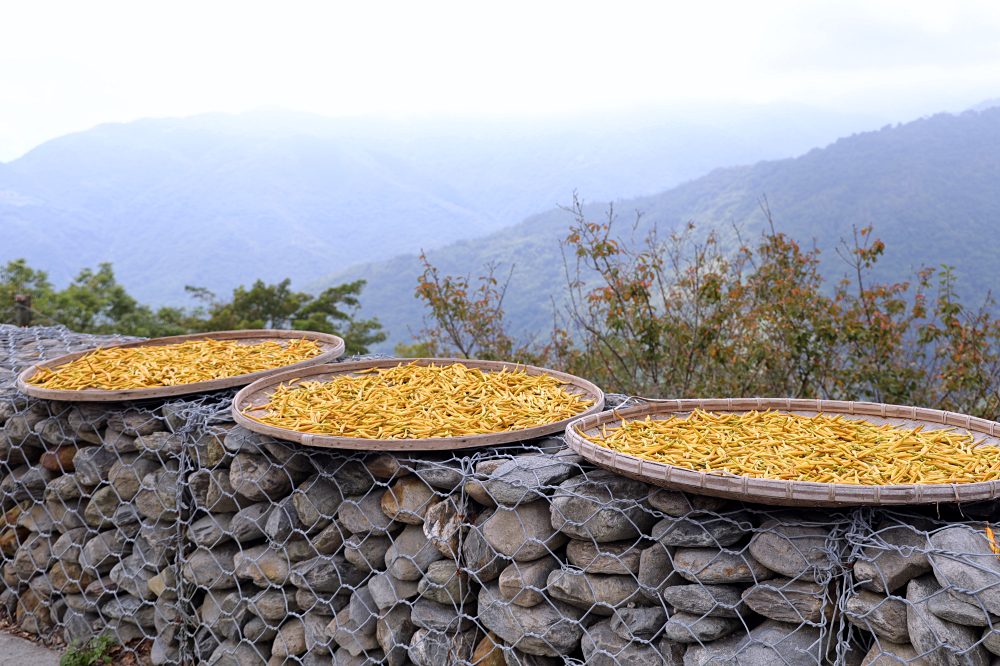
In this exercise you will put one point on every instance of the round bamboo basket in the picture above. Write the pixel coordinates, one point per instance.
(259, 393)
(331, 345)
(787, 493)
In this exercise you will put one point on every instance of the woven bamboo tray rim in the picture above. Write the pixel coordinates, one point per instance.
(259, 393)
(787, 493)
(332, 347)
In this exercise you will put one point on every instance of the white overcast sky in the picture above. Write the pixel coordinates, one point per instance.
(69, 65)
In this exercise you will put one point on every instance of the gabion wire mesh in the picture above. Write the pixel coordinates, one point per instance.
(190, 540)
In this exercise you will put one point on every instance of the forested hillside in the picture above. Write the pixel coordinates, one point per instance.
(931, 189)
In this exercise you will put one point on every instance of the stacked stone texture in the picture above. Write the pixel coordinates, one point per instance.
(167, 526)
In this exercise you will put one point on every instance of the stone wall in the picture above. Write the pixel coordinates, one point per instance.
(192, 540)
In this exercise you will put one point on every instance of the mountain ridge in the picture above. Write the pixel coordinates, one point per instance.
(218, 200)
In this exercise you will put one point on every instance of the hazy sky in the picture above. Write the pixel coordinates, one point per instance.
(69, 65)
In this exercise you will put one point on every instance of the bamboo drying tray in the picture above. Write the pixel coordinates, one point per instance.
(787, 493)
(259, 393)
(331, 345)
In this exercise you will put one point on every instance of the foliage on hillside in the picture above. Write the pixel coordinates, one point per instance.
(929, 186)
(94, 302)
(682, 316)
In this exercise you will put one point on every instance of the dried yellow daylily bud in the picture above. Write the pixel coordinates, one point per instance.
(421, 401)
(117, 368)
(791, 447)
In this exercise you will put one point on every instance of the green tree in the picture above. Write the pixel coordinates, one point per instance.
(335, 310)
(95, 302)
(17, 278)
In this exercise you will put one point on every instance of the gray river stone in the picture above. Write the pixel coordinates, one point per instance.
(407, 500)
(479, 558)
(599, 593)
(881, 615)
(210, 530)
(388, 591)
(362, 611)
(290, 639)
(601, 506)
(446, 476)
(445, 583)
(321, 603)
(690, 628)
(33, 557)
(702, 530)
(212, 568)
(367, 551)
(884, 653)
(157, 496)
(316, 501)
(326, 573)
(130, 575)
(67, 487)
(638, 623)
(283, 521)
(549, 629)
(160, 443)
(944, 642)
(410, 554)
(363, 514)
(431, 648)
(25, 482)
(135, 422)
(962, 561)
(106, 549)
(792, 550)
(614, 557)
(767, 644)
(715, 600)
(263, 565)
(331, 538)
(290, 457)
(991, 641)
(602, 646)
(523, 533)
(656, 570)
(954, 609)
(274, 604)
(241, 440)
(126, 476)
(87, 417)
(393, 631)
(352, 477)
(523, 583)
(900, 557)
(527, 478)
(787, 600)
(248, 523)
(118, 441)
(259, 478)
(229, 653)
(349, 636)
(713, 566)
(446, 618)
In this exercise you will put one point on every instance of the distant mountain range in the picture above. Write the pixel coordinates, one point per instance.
(220, 200)
(930, 187)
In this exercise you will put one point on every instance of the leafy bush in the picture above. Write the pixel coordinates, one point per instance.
(95, 651)
(700, 314)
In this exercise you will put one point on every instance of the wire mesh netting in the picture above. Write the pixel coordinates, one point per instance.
(190, 540)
